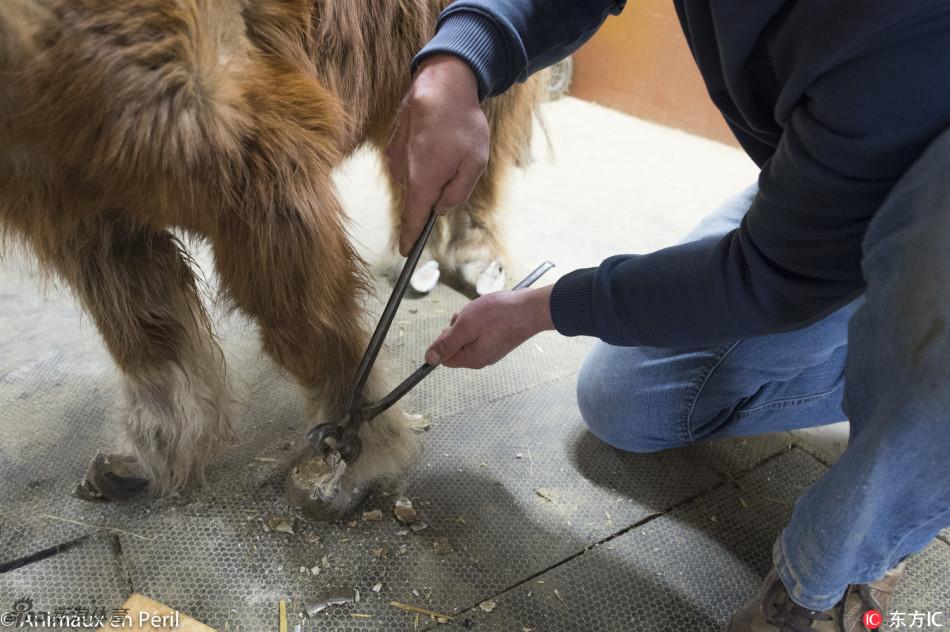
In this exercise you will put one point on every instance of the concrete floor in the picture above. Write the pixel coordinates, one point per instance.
(526, 512)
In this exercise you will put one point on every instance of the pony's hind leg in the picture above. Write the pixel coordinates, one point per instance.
(137, 285)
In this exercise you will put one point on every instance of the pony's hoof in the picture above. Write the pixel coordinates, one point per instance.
(320, 488)
(492, 279)
(426, 277)
(112, 477)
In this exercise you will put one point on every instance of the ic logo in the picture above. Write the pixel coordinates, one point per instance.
(873, 619)
(22, 608)
(23, 604)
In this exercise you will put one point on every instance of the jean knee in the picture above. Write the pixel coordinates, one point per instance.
(616, 396)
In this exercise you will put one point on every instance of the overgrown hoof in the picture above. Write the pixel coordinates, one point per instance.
(112, 477)
(321, 489)
(493, 278)
(483, 276)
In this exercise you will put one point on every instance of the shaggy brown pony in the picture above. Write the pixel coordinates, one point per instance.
(224, 119)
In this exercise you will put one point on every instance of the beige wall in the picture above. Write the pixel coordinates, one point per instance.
(639, 63)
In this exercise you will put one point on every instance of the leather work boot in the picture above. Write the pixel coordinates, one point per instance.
(771, 610)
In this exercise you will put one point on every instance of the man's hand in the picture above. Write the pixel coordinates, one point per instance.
(487, 329)
(439, 144)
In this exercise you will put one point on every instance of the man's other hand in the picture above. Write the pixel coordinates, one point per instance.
(439, 144)
(489, 328)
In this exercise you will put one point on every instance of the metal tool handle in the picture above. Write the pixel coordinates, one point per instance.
(379, 336)
(536, 274)
(376, 408)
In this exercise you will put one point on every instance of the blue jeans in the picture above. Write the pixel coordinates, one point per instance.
(882, 361)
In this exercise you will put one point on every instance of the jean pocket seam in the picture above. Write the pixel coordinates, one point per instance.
(686, 430)
(780, 404)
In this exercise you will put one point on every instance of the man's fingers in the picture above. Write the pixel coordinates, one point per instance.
(460, 187)
(409, 229)
(441, 349)
(420, 197)
(398, 143)
(396, 154)
(468, 357)
(446, 345)
(396, 162)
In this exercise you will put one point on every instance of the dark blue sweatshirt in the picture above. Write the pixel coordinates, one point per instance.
(833, 99)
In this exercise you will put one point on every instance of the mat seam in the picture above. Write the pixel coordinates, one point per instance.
(725, 481)
(121, 563)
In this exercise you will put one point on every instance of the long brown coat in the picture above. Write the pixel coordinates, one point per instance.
(225, 119)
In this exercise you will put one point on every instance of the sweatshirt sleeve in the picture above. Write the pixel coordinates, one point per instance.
(507, 40)
(797, 254)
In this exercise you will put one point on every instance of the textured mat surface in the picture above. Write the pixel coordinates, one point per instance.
(209, 554)
(86, 580)
(505, 518)
(512, 488)
(56, 385)
(690, 568)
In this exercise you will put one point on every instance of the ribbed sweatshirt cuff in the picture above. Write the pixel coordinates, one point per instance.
(476, 40)
(572, 303)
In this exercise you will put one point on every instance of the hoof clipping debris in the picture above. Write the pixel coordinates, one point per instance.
(319, 489)
(405, 512)
(373, 516)
(336, 597)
